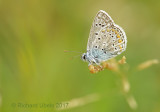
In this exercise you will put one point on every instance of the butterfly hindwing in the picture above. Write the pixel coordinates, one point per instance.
(111, 40)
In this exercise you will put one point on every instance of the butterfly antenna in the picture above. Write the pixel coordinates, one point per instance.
(75, 57)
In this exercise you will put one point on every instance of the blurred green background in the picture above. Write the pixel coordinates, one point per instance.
(34, 69)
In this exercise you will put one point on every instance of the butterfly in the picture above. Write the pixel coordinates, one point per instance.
(106, 40)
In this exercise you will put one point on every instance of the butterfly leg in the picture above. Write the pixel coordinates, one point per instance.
(99, 65)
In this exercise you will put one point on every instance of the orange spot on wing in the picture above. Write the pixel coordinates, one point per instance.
(118, 36)
(108, 30)
(103, 31)
(120, 47)
(119, 41)
(116, 32)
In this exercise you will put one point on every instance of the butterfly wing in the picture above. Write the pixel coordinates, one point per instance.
(110, 41)
(101, 20)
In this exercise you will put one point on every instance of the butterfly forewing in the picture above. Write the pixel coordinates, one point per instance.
(101, 20)
(107, 37)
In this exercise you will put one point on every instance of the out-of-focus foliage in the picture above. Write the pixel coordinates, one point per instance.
(35, 70)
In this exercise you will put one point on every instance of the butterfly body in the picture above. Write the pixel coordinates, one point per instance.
(106, 40)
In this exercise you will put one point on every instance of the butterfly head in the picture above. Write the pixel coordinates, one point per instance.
(84, 57)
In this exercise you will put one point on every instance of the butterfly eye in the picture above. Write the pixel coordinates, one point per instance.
(84, 57)
(99, 38)
(95, 46)
(99, 24)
